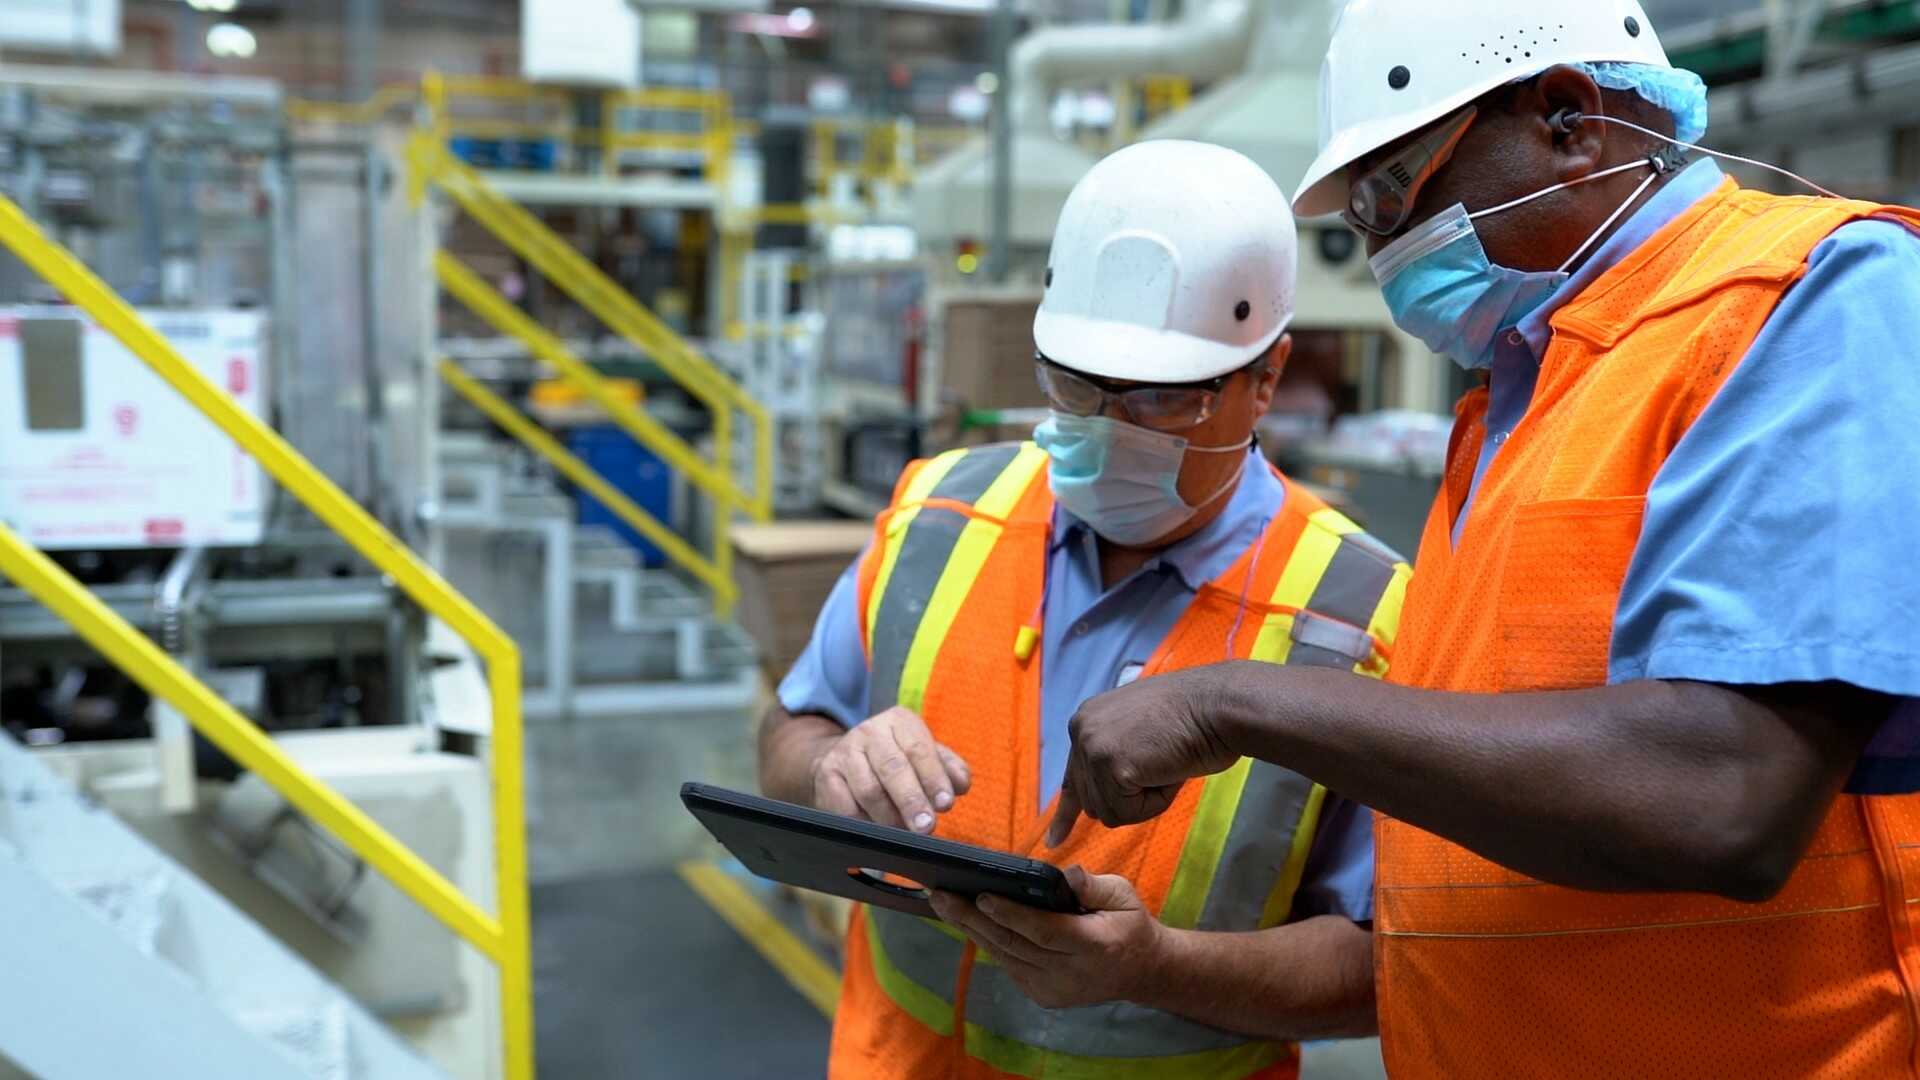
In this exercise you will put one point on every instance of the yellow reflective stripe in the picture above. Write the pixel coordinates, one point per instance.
(1206, 839)
(929, 477)
(917, 491)
(1334, 522)
(1280, 900)
(1384, 627)
(1005, 493)
(1021, 1059)
(915, 1000)
(1312, 554)
(963, 568)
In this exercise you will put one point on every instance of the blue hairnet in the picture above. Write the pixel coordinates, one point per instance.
(1676, 90)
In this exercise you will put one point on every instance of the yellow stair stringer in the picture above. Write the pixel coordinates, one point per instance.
(529, 238)
(530, 435)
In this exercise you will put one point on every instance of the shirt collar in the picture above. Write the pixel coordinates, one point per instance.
(1694, 183)
(1212, 551)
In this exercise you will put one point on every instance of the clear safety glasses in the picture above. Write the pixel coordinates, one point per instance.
(1381, 201)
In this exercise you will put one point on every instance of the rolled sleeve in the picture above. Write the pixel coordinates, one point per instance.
(831, 678)
(1778, 542)
(1338, 879)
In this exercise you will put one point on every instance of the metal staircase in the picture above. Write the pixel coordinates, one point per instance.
(633, 640)
(110, 929)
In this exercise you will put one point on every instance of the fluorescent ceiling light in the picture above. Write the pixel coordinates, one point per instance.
(231, 40)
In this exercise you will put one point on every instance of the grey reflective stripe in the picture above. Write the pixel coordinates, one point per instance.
(973, 474)
(1313, 629)
(1113, 1030)
(1353, 584)
(924, 552)
(1259, 842)
(919, 951)
(1315, 656)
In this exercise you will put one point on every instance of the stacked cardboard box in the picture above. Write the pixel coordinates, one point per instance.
(785, 572)
(987, 362)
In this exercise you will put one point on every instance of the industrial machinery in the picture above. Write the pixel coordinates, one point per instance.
(181, 194)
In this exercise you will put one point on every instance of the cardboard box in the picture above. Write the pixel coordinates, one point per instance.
(785, 572)
(97, 452)
(986, 359)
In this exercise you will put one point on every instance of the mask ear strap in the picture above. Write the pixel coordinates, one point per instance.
(1656, 174)
(1566, 120)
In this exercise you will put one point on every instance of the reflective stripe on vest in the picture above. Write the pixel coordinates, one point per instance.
(932, 555)
(1006, 1030)
(1246, 848)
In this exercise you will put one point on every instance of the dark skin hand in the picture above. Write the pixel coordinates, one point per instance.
(1646, 786)
(1642, 787)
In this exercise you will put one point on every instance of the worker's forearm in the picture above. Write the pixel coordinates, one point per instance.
(1643, 786)
(1307, 980)
(790, 744)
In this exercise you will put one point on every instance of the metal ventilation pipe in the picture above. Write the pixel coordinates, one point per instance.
(1209, 42)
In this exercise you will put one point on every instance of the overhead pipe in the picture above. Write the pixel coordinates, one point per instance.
(1210, 41)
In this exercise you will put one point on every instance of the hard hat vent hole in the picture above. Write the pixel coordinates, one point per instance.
(1242, 311)
(1633, 26)
(1049, 283)
(1399, 77)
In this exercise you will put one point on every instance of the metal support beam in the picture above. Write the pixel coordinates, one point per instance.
(1790, 29)
(1000, 228)
(363, 48)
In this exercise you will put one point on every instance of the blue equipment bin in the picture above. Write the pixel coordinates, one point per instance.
(636, 472)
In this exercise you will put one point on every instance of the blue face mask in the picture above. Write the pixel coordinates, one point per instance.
(1442, 288)
(1121, 479)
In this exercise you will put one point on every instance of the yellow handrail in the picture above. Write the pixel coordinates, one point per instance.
(528, 237)
(530, 435)
(501, 314)
(504, 938)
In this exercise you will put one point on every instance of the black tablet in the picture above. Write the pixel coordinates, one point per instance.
(832, 854)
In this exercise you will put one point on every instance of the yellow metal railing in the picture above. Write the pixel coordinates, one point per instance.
(503, 938)
(532, 436)
(432, 165)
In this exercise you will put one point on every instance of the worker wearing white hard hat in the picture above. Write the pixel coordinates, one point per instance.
(1646, 779)
(1140, 534)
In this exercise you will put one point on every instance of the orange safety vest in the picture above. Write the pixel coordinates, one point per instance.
(946, 594)
(1483, 972)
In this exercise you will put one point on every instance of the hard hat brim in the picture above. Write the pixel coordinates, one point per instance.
(1113, 350)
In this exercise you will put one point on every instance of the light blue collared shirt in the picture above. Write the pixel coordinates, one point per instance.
(1094, 639)
(1779, 541)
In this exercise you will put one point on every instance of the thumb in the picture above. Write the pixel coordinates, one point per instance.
(1105, 892)
(1065, 816)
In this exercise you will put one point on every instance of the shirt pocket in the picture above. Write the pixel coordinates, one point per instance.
(1561, 587)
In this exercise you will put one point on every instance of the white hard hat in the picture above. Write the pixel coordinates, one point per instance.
(1173, 262)
(1396, 66)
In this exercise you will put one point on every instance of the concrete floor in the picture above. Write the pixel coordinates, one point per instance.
(634, 975)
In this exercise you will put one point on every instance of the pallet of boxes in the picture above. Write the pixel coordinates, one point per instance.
(785, 571)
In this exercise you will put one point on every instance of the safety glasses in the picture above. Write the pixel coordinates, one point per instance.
(1380, 201)
(1161, 408)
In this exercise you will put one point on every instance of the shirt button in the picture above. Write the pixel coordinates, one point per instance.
(1515, 337)
(1081, 630)
(1500, 438)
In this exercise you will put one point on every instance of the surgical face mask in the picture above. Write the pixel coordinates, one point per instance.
(1123, 480)
(1442, 288)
